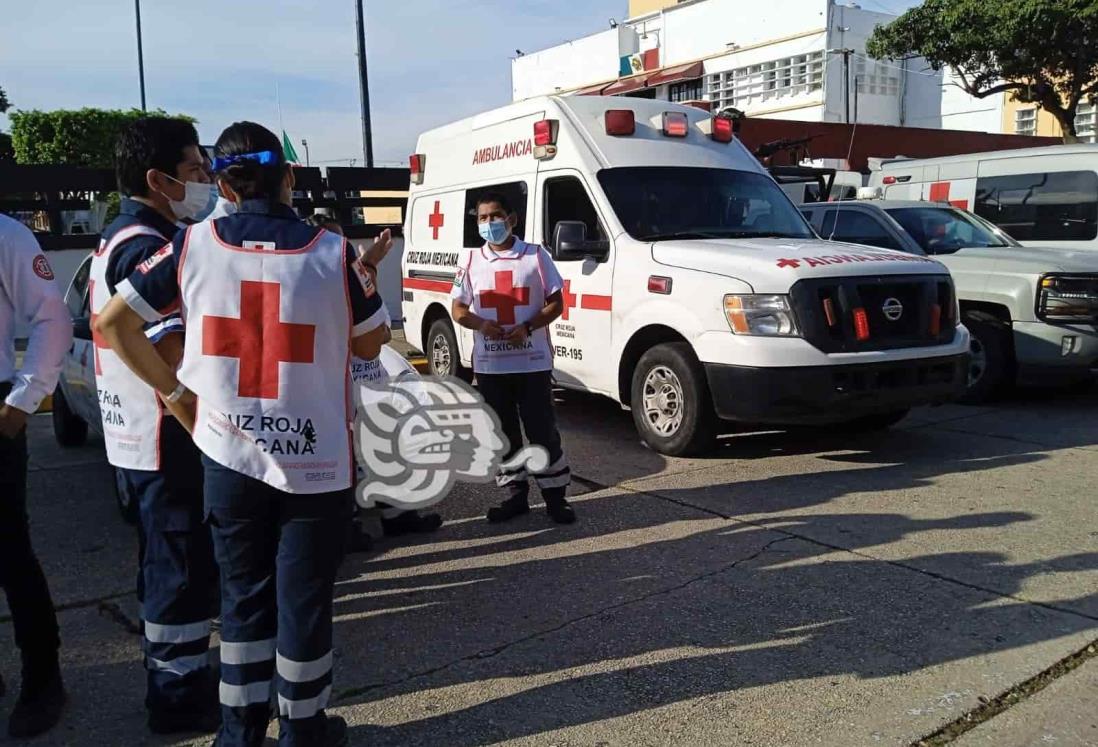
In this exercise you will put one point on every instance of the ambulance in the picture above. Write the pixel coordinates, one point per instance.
(695, 291)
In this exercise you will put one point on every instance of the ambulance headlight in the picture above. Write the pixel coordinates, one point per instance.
(762, 315)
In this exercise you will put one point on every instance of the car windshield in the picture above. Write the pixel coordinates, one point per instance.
(942, 230)
(659, 203)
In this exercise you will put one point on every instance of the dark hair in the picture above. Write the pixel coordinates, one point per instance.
(150, 143)
(248, 178)
(320, 220)
(497, 197)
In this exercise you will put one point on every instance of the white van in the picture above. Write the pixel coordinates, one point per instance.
(695, 291)
(1040, 196)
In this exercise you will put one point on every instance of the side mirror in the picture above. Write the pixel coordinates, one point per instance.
(570, 243)
(81, 328)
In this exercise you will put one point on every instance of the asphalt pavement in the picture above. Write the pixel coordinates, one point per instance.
(935, 584)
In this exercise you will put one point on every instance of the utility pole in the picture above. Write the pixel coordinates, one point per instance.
(140, 54)
(364, 85)
(306, 144)
(845, 52)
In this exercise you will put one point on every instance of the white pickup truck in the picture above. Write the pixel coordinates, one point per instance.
(1031, 311)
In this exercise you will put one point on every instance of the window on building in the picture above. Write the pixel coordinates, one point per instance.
(756, 84)
(1086, 126)
(1025, 121)
(876, 78)
(1060, 206)
(515, 192)
(688, 90)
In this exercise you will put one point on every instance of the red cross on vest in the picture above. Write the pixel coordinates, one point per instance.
(505, 297)
(98, 342)
(259, 338)
(436, 220)
(570, 298)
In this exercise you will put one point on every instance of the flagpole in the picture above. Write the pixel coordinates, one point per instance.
(278, 102)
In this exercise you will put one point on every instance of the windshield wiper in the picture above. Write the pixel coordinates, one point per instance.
(762, 235)
(671, 235)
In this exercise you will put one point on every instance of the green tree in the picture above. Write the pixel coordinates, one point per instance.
(1040, 51)
(4, 103)
(7, 152)
(82, 137)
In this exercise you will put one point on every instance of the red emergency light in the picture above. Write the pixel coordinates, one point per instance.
(895, 179)
(935, 320)
(675, 124)
(416, 163)
(620, 122)
(659, 284)
(721, 130)
(861, 324)
(545, 138)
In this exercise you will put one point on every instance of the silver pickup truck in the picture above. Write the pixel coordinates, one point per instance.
(1032, 311)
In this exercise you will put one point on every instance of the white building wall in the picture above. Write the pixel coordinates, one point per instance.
(960, 111)
(574, 64)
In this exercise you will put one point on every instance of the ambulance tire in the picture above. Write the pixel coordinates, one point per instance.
(69, 429)
(443, 355)
(991, 366)
(127, 506)
(670, 400)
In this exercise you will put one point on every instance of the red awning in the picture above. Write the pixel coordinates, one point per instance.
(675, 74)
(625, 85)
(594, 90)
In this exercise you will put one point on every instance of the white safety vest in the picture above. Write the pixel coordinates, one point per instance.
(129, 408)
(267, 354)
(510, 291)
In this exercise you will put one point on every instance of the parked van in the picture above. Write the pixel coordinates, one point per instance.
(695, 291)
(1040, 196)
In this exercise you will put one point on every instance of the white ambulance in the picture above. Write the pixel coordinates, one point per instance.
(695, 291)
(1040, 196)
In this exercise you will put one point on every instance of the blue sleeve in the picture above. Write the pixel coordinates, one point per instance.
(368, 311)
(127, 256)
(152, 289)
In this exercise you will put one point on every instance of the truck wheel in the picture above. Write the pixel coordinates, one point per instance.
(68, 428)
(670, 400)
(127, 506)
(991, 363)
(878, 421)
(443, 358)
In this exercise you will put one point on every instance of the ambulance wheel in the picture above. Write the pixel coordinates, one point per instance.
(443, 357)
(991, 360)
(670, 400)
(127, 506)
(68, 427)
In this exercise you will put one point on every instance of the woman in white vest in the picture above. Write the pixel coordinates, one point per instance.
(274, 311)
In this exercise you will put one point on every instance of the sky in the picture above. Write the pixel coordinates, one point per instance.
(430, 61)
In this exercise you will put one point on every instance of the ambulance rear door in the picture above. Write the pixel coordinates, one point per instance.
(582, 336)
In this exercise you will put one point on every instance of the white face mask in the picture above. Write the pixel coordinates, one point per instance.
(198, 198)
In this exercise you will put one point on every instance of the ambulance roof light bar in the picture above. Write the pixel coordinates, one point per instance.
(416, 164)
(545, 138)
(721, 129)
(620, 122)
(675, 124)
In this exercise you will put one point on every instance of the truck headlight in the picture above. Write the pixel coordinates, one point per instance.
(763, 315)
(1067, 298)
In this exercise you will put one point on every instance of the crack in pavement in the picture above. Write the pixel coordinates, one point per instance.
(496, 650)
(1007, 699)
(80, 604)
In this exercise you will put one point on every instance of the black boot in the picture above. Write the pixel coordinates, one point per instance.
(509, 509)
(41, 700)
(410, 522)
(205, 721)
(559, 511)
(335, 734)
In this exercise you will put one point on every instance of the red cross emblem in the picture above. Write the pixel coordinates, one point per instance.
(436, 220)
(789, 263)
(98, 342)
(569, 297)
(504, 297)
(259, 338)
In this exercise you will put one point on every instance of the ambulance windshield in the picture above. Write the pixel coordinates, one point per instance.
(661, 203)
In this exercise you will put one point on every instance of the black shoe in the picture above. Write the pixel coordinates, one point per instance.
(335, 732)
(360, 540)
(205, 721)
(410, 522)
(507, 510)
(560, 512)
(38, 709)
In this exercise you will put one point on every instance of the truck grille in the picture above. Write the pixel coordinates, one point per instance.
(886, 312)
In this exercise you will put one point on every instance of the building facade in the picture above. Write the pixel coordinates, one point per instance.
(788, 59)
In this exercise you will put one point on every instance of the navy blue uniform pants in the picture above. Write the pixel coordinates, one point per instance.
(21, 575)
(278, 554)
(177, 582)
(524, 402)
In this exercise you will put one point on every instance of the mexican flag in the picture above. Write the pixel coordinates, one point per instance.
(288, 149)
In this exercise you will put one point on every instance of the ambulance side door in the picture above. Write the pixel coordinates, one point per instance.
(581, 337)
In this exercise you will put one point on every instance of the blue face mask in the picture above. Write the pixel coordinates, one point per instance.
(494, 231)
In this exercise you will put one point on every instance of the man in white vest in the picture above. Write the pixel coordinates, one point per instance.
(163, 176)
(509, 292)
(274, 310)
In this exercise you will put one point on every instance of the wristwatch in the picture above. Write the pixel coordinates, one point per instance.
(177, 393)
